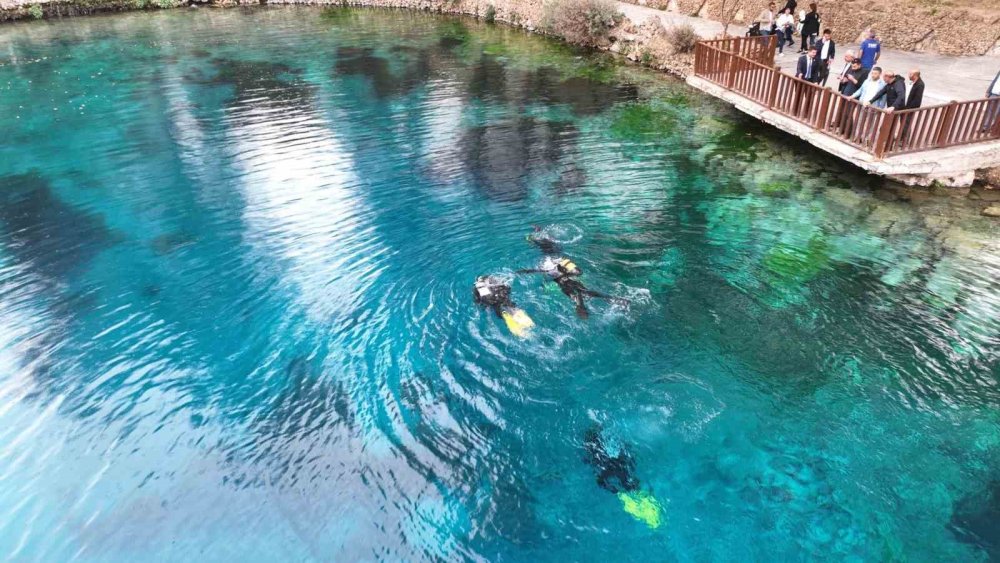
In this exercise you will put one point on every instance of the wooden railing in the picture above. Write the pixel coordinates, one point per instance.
(741, 66)
(758, 49)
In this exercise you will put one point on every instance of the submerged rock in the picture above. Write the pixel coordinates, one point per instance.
(992, 211)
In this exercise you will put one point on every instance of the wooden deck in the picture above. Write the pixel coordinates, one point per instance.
(744, 66)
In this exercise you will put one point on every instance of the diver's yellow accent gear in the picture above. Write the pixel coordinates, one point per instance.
(643, 506)
(518, 322)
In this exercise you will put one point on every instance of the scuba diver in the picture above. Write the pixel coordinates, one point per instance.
(564, 273)
(616, 475)
(544, 242)
(494, 292)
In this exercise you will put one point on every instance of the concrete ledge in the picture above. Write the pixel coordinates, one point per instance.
(954, 166)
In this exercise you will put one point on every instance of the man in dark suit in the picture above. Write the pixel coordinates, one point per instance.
(808, 67)
(993, 106)
(916, 96)
(913, 101)
(826, 50)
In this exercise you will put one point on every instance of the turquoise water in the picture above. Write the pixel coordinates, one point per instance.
(236, 258)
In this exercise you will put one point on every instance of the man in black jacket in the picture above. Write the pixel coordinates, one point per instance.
(894, 92)
(916, 96)
(826, 50)
(854, 77)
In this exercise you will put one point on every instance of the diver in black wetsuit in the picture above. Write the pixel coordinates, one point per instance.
(617, 475)
(614, 474)
(494, 292)
(548, 246)
(564, 273)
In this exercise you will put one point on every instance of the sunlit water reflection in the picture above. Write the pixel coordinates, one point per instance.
(236, 257)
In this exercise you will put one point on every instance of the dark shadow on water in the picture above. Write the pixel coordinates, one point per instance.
(53, 238)
(256, 80)
(976, 520)
(492, 81)
(503, 157)
(363, 62)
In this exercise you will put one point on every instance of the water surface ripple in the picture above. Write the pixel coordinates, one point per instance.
(236, 257)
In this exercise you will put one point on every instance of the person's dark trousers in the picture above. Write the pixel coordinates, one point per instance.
(824, 72)
(808, 41)
(789, 33)
(904, 133)
(765, 37)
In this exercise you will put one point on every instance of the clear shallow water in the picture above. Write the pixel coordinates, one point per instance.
(236, 254)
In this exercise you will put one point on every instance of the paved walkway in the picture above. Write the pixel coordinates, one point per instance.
(947, 78)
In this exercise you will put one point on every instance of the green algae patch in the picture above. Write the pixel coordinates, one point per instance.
(777, 189)
(453, 34)
(601, 71)
(340, 14)
(737, 143)
(640, 120)
(790, 265)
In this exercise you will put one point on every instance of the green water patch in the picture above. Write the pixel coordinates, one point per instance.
(777, 188)
(642, 120)
(791, 266)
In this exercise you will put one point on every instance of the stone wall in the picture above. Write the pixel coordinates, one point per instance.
(909, 25)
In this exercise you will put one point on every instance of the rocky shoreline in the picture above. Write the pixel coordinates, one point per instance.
(643, 43)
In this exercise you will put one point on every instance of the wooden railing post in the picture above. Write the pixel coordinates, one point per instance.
(731, 72)
(772, 95)
(884, 130)
(945, 131)
(824, 107)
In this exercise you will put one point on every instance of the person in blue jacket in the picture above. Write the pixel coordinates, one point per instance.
(871, 50)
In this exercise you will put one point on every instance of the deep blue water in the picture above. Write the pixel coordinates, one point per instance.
(237, 249)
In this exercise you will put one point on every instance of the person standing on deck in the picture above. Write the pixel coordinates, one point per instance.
(855, 78)
(871, 87)
(871, 50)
(842, 77)
(993, 106)
(913, 101)
(810, 27)
(916, 97)
(893, 94)
(826, 50)
(808, 67)
(767, 20)
(786, 27)
(867, 118)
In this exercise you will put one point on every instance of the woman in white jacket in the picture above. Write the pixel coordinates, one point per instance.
(786, 27)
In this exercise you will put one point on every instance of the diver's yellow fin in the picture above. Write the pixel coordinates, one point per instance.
(642, 506)
(518, 322)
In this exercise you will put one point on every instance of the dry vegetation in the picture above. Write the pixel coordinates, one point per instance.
(583, 22)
